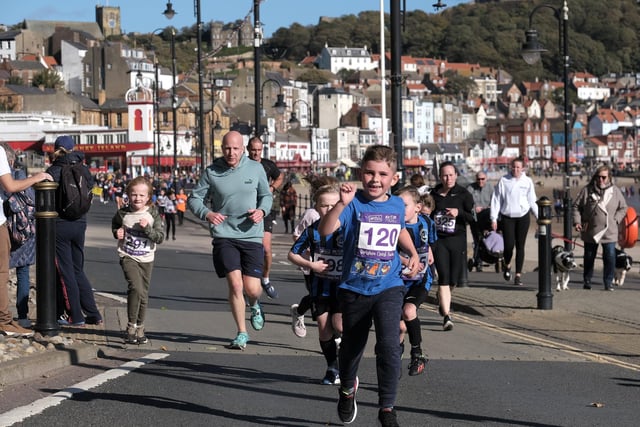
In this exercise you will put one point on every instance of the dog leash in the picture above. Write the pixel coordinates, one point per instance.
(574, 242)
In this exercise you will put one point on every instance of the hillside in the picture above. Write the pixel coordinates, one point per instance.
(491, 34)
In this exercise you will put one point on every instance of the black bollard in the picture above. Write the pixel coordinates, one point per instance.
(46, 215)
(545, 297)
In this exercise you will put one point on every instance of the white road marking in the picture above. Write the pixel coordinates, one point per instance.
(20, 414)
(112, 296)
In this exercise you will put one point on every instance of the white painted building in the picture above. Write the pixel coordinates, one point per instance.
(348, 58)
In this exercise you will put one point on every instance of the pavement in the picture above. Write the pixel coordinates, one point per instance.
(604, 322)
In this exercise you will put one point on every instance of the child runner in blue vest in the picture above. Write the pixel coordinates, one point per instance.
(423, 233)
(371, 289)
(325, 264)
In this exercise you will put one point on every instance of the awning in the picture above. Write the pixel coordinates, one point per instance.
(349, 163)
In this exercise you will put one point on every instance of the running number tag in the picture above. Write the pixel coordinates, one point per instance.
(136, 243)
(377, 242)
(333, 260)
(423, 254)
(445, 223)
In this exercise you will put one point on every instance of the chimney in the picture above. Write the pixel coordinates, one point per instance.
(102, 97)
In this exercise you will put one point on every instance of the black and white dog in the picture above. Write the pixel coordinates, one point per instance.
(623, 264)
(563, 263)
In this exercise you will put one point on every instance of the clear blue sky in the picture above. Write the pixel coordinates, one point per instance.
(146, 15)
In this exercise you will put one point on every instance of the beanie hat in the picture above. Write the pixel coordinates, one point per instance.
(64, 141)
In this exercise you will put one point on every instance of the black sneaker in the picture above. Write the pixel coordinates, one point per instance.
(387, 417)
(507, 273)
(347, 407)
(586, 285)
(447, 323)
(417, 365)
(517, 281)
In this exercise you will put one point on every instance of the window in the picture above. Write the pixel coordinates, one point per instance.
(105, 119)
(119, 120)
(92, 139)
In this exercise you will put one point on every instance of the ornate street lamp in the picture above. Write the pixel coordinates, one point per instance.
(294, 123)
(531, 51)
(170, 13)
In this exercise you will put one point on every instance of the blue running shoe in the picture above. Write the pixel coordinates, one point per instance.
(269, 290)
(240, 342)
(257, 316)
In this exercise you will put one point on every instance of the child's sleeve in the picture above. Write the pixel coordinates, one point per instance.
(116, 223)
(155, 232)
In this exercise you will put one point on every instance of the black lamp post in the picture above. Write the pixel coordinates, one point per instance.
(257, 54)
(294, 123)
(396, 87)
(280, 105)
(531, 51)
(200, 87)
(170, 13)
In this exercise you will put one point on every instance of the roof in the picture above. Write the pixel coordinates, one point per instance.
(47, 28)
(27, 65)
(347, 51)
(30, 90)
(9, 35)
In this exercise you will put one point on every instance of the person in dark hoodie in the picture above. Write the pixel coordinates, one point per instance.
(453, 211)
(77, 304)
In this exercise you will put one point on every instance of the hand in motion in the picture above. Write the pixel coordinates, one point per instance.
(215, 218)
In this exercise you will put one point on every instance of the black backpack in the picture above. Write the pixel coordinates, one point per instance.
(74, 192)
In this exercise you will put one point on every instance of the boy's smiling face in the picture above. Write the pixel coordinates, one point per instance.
(377, 178)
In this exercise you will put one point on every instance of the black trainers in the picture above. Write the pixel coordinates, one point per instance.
(507, 273)
(347, 407)
(387, 417)
(417, 365)
(447, 323)
(517, 281)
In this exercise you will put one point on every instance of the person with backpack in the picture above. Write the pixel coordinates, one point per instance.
(8, 326)
(22, 238)
(77, 304)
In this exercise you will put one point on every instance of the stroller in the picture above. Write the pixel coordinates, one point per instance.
(488, 246)
(491, 249)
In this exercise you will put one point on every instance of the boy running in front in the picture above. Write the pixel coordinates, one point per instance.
(371, 289)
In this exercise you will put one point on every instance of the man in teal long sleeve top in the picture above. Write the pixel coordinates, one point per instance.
(240, 198)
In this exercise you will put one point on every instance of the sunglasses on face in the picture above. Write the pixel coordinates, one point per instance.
(481, 179)
(603, 176)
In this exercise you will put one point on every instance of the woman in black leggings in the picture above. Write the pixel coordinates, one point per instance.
(452, 213)
(513, 198)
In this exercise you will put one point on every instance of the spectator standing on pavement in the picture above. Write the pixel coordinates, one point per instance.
(138, 228)
(24, 256)
(481, 190)
(309, 216)
(170, 209)
(181, 205)
(452, 213)
(288, 202)
(275, 178)
(597, 211)
(324, 261)
(240, 199)
(371, 289)
(8, 326)
(513, 198)
(77, 293)
(423, 234)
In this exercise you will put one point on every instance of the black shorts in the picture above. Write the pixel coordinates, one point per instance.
(268, 222)
(321, 305)
(233, 254)
(416, 295)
